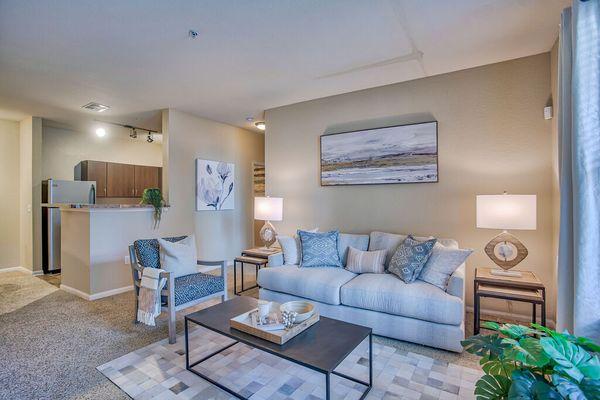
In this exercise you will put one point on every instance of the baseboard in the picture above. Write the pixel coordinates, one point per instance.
(95, 296)
(74, 291)
(19, 268)
(37, 273)
(112, 292)
(519, 317)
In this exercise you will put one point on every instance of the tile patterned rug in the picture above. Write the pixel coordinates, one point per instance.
(158, 371)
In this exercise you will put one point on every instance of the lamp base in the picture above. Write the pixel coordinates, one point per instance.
(268, 234)
(506, 251)
(501, 272)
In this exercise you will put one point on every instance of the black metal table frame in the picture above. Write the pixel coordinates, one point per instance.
(237, 340)
(256, 265)
(477, 305)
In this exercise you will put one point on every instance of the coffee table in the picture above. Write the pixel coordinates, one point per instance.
(322, 347)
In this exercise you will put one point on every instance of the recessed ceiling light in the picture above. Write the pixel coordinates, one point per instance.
(249, 119)
(193, 33)
(101, 132)
(97, 107)
(260, 125)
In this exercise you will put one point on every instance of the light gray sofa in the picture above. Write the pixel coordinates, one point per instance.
(417, 312)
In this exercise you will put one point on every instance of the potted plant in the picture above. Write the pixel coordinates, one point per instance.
(535, 362)
(153, 197)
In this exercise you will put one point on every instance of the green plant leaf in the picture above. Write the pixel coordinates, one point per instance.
(586, 390)
(584, 342)
(571, 359)
(516, 331)
(527, 351)
(485, 345)
(497, 366)
(492, 387)
(528, 386)
(491, 325)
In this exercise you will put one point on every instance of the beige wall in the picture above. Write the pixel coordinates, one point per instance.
(492, 137)
(63, 148)
(30, 213)
(219, 234)
(9, 200)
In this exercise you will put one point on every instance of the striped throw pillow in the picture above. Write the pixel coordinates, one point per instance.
(366, 262)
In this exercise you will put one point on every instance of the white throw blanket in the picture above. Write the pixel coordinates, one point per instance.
(149, 297)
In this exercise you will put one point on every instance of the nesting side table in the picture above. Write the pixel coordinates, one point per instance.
(258, 257)
(526, 288)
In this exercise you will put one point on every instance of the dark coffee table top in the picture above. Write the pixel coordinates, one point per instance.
(323, 346)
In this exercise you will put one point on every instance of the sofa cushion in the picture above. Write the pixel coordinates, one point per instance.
(346, 240)
(319, 249)
(317, 283)
(363, 262)
(385, 241)
(388, 294)
(410, 257)
(442, 263)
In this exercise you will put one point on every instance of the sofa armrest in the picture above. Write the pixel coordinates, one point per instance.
(275, 260)
(456, 283)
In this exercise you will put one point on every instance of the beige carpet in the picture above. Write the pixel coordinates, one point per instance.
(53, 341)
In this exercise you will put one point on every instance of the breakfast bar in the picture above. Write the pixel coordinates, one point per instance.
(94, 242)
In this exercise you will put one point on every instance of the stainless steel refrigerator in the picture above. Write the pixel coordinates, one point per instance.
(54, 194)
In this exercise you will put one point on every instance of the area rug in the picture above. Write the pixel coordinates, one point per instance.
(158, 371)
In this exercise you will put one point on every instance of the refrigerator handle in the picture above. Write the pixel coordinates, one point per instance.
(92, 199)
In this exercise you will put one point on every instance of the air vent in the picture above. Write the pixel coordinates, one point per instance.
(96, 107)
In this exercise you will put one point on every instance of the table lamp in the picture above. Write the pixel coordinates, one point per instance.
(506, 211)
(268, 209)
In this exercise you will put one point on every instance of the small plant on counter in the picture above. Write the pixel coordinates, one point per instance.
(535, 362)
(153, 197)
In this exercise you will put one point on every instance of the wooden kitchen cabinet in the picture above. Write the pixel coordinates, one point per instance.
(145, 177)
(120, 180)
(93, 171)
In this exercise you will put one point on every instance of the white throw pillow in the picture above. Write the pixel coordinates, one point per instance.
(179, 258)
(291, 248)
(363, 262)
(442, 263)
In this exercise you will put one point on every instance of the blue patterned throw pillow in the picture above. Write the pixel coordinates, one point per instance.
(319, 249)
(410, 258)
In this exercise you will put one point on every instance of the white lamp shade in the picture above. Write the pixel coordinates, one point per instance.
(268, 208)
(506, 211)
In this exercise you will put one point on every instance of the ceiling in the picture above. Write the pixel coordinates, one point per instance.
(136, 55)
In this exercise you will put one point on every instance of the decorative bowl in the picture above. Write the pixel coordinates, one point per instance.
(304, 309)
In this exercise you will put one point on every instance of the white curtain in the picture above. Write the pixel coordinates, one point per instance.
(578, 285)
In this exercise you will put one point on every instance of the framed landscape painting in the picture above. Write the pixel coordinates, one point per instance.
(215, 188)
(395, 154)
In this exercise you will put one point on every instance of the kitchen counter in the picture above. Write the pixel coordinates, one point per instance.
(108, 207)
(94, 246)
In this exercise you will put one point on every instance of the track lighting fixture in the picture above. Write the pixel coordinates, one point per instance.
(149, 138)
(133, 133)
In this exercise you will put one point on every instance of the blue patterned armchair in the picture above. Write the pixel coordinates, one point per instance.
(181, 292)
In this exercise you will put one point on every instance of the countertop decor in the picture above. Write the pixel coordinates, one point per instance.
(153, 197)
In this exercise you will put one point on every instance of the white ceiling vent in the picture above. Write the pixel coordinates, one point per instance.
(97, 107)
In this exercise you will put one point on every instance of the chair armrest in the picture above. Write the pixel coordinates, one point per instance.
(456, 283)
(275, 260)
(222, 264)
(209, 263)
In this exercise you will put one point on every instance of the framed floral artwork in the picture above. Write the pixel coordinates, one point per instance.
(215, 185)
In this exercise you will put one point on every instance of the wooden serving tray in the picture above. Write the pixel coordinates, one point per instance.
(243, 323)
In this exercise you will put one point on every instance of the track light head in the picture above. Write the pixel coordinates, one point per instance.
(149, 139)
(133, 133)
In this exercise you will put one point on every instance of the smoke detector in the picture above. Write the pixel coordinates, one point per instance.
(96, 107)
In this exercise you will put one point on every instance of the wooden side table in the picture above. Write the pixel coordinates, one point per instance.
(258, 264)
(261, 252)
(526, 288)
